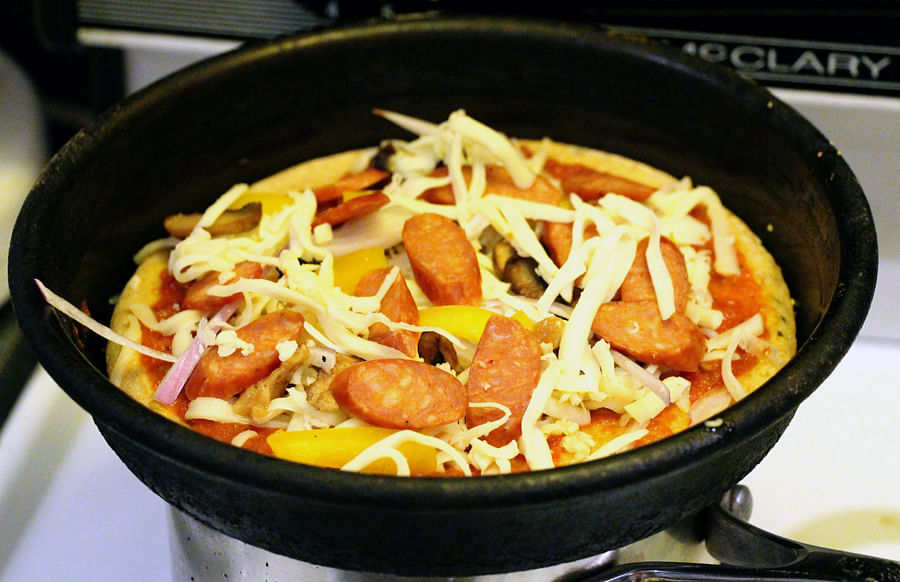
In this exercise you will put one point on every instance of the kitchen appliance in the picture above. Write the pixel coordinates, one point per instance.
(51, 496)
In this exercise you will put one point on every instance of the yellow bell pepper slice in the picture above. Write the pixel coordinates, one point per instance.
(463, 321)
(335, 447)
(524, 320)
(350, 268)
(351, 194)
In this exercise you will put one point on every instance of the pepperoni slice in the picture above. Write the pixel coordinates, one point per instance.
(638, 286)
(224, 377)
(541, 190)
(443, 260)
(355, 182)
(591, 184)
(398, 305)
(499, 182)
(359, 206)
(505, 369)
(196, 296)
(636, 328)
(557, 238)
(397, 393)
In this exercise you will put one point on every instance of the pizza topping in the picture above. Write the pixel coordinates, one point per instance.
(254, 401)
(638, 284)
(352, 208)
(335, 447)
(225, 376)
(436, 349)
(397, 304)
(590, 184)
(400, 394)
(177, 376)
(197, 297)
(505, 369)
(500, 302)
(636, 328)
(354, 182)
(229, 222)
(443, 260)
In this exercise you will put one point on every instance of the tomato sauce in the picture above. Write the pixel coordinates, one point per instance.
(736, 296)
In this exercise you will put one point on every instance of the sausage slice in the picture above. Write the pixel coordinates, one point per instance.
(505, 369)
(401, 394)
(638, 285)
(636, 328)
(223, 377)
(591, 184)
(196, 296)
(443, 260)
(398, 305)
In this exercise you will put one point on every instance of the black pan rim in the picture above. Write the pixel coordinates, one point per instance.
(771, 403)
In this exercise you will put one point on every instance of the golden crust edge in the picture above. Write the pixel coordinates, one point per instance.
(778, 306)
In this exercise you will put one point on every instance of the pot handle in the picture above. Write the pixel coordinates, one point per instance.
(733, 541)
(746, 553)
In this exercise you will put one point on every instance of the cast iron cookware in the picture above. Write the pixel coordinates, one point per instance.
(178, 144)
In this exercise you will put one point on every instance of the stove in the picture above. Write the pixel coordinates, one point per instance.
(70, 510)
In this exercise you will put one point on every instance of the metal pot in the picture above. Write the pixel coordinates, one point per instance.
(179, 143)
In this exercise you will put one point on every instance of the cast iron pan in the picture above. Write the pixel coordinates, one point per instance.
(180, 143)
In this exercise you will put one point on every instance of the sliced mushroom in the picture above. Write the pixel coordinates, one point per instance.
(488, 238)
(501, 254)
(437, 349)
(549, 331)
(522, 276)
(519, 272)
(318, 394)
(254, 401)
(229, 222)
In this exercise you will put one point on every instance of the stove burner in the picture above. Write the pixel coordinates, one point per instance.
(715, 544)
(202, 554)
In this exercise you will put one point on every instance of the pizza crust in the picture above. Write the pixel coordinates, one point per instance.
(127, 372)
(778, 307)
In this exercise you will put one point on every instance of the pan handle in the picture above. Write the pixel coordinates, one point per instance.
(746, 553)
(733, 541)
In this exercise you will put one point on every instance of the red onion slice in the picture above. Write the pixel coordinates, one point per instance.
(177, 376)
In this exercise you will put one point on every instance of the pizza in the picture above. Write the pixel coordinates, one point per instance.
(459, 303)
